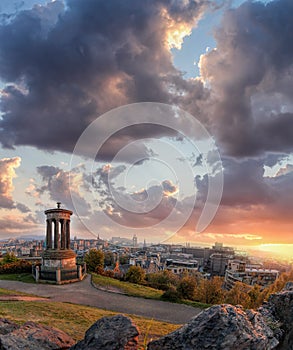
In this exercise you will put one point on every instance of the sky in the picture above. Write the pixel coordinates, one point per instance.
(195, 98)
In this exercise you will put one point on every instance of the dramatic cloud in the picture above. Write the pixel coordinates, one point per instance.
(142, 208)
(7, 174)
(250, 74)
(62, 186)
(252, 203)
(22, 208)
(63, 65)
(82, 60)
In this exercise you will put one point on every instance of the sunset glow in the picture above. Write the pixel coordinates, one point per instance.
(225, 143)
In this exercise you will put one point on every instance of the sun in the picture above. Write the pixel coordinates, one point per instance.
(283, 250)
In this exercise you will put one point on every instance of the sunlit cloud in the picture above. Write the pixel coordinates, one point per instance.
(7, 174)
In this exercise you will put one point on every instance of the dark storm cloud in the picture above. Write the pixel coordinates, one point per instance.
(65, 66)
(22, 208)
(251, 79)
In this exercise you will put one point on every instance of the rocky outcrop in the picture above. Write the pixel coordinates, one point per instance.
(32, 336)
(220, 327)
(110, 333)
(278, 313)
(7, 326)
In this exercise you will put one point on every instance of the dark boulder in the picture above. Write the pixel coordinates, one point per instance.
(110, 333)
(221, 327)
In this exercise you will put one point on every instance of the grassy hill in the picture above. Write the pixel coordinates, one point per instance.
(74, 319)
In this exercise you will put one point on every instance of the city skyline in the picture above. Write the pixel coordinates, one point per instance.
(229, 65)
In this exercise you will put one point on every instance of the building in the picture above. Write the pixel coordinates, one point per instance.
(218, 264)
(180, 266)
(58, 260)
(239, 271)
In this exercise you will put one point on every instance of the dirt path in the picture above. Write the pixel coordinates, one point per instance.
(85, 294)
(21, 298)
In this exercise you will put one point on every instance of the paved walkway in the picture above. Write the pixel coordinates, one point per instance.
(84, 293)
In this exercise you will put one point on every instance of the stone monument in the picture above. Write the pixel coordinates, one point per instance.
(58, 260)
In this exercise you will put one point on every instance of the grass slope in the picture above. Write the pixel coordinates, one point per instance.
(75, 319)
(137, 290)
(132, 289)
(22, 277)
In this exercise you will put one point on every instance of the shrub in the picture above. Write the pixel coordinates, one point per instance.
(9, 258)
(162, 280)
(19, 266)
(186, 287)
(135, 274)
(171, 294)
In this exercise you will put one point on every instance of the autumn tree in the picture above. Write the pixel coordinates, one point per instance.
(94, 260)
(186, 287)
(210, 291)
(239, 295)
(255, 297)
(135, 274)
(277, 286)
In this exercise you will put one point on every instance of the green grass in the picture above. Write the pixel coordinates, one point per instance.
(195, 304)
(76, 319)
(132, 289)
(11, 292)
(23, 277)
(137, 290)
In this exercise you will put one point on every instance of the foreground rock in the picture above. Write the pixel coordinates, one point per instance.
(110, 333)
(278, 313)
(32, 336)
(220, 327)
(7, 326)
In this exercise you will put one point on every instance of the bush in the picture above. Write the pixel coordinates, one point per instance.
(171, 294)
(19, 266)
(162, 280)
(9, 258)
(186, 287)
(135, 274)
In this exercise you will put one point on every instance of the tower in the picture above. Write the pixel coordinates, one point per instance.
(134, 241)
(58, 260)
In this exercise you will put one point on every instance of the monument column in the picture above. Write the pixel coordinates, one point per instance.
(63, 234)
(49, 234)
(67, 234)
(57, 235)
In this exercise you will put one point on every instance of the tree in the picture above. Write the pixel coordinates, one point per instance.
(9, 258)
(239, 295)
(162, 280)
(186, 287)
(171, 294)
(210, 291)
(109, 259)
(123, 259)
(94, 260)
(255, 297)
(135, 274)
